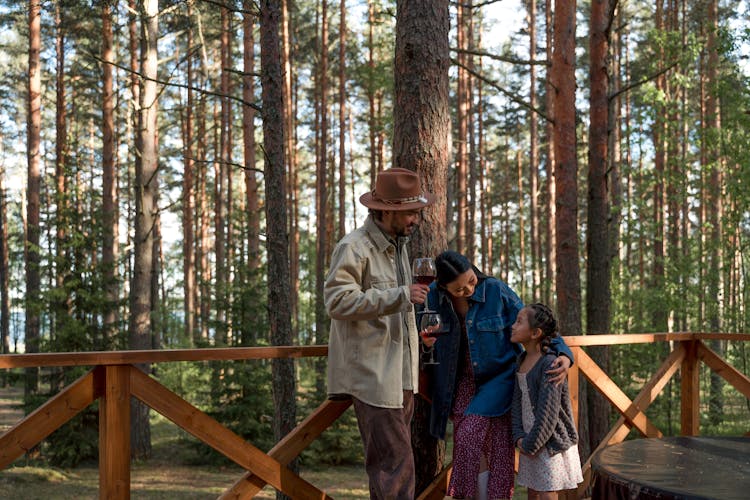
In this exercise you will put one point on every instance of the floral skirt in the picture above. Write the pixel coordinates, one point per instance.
(474, 436)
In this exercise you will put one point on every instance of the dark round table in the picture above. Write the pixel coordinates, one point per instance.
(674, 467)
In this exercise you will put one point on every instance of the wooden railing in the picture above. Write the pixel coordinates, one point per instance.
(114, 379)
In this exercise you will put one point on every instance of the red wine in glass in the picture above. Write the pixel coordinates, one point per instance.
(423, 270)
(431, 325)
(424, 279)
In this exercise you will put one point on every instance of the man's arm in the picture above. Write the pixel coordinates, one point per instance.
(344, 295)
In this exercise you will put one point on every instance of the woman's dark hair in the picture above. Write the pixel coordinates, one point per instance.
(542, 317)
(450, 265)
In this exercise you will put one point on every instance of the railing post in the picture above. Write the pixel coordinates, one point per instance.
(114, 434)
(574, 375)
(690, 390)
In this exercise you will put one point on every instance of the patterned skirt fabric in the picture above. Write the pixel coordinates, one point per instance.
(474, 436)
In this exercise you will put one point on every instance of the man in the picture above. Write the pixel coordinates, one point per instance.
(373, 346)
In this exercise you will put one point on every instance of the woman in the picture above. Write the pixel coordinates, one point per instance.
(472, 384)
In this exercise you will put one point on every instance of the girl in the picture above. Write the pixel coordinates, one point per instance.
(543, 426)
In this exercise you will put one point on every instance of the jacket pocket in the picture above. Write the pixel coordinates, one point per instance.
(494, 325)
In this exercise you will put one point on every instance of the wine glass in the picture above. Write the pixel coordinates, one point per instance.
(423, 271)
(431, 325)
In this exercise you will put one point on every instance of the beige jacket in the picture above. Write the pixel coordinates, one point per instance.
(370, 314)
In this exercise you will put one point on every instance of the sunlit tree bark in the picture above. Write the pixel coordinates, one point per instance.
(284, 386)
(145, 194)
(421, 133)
(31, 246)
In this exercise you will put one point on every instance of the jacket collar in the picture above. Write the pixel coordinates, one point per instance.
(382, 241)
(479, 290)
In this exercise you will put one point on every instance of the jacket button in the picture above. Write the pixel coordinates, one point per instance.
(474, 363)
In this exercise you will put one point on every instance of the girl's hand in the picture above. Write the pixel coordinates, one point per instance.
(559, 370)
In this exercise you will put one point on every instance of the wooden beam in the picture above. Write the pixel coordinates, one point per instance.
(114, 434)
(625, 338)
(574, 377)
(291, 446)
(690, 390)
(438, 488)
(729, 373)
(158, 356)
(47, 418)
(614, 395)
(220, 438)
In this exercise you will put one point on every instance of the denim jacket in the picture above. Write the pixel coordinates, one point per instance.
(492, 311)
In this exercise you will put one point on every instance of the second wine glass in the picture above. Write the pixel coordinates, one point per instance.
(431, 325)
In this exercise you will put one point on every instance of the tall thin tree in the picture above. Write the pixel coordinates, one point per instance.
(597, 235)
(277, 241)
(33, 143)
(421, 133)
(342, 120)
(248, 135)
(110, 226)
(321, 193)
(140, 328)
(188, 195)
(534, 223)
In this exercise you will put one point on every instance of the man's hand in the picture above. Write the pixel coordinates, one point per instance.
(418, 293)
(559, 370)
(428, 341)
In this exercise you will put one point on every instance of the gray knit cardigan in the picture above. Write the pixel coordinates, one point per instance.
(554, 426)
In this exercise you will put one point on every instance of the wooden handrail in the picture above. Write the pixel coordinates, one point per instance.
(114, 379)
(107, 358)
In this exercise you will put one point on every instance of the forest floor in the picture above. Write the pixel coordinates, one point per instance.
(166, 475)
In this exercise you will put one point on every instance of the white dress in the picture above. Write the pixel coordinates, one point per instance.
(545, 472)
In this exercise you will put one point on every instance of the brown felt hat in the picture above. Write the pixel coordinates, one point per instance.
(397, 189)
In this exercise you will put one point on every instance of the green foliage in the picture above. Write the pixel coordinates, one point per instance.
(339, 444)
(244, 403)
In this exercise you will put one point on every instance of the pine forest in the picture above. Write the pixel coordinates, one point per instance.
(176, 173)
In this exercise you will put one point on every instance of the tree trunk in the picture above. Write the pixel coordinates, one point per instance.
(550, 211)
(31, 247)
(714, 202)
(372, 117)
(534, 221)
(597, 235)
(462, 111)
(421, 131)
(204, 238)
(342, 121)
(248, 134)
(277, 237)
(110, 226)
(291, 157)
(659, 312)
(140, 330)
(321, 196)
(521, 225)
(4, 275)
(188, 200)
(471, 187)
(566, 184)
(63, 264)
